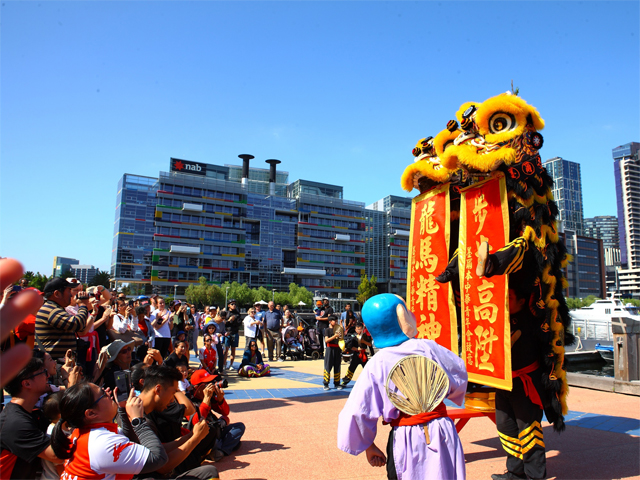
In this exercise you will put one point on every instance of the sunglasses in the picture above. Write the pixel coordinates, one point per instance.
(104, 394)
(36, 374)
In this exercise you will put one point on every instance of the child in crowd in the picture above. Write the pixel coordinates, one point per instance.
(292, 339)
(184, 384)
(208, 355)
(51, 411)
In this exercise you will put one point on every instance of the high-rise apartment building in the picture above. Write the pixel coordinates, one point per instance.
(388, 242)
(567, 192)
(84, 273)
(604, 227)
(626, 165)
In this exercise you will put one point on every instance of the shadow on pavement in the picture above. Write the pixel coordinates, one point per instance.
(587, 454)
(268, 403)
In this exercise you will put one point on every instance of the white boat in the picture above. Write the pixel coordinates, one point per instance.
(594, 322)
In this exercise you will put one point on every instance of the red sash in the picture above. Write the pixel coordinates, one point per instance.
(529, 389)
(405, 420)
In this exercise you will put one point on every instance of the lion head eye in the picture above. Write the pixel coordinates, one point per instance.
(502, 122)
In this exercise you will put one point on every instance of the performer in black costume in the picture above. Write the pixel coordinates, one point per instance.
(519, 412)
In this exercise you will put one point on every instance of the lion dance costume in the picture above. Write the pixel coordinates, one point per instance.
(495, 138)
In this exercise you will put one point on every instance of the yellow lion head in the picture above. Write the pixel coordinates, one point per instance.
(495, 132)
(427, 170)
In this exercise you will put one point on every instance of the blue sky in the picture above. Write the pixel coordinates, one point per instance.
(339, 91)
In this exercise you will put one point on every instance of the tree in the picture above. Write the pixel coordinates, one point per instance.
(36, 280)
(101, 278)
(68, 273)
(367, 288)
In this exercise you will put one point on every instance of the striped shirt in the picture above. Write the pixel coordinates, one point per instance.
(56, 329)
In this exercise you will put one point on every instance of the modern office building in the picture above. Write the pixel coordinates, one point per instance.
(84, 273)
(567, 192)
(245, 224)
(626, 164)
(389, 221)
(133, 230)
(62, 264)
(586, 273)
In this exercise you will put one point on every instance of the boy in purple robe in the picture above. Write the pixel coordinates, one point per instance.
(393, 327)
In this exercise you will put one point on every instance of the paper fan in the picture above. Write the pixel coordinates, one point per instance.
(421, 383)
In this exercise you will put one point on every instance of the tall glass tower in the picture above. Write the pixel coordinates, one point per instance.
(567, 192)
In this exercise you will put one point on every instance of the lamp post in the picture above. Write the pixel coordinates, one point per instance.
(273, 295)
(226, 293)
(175, 292)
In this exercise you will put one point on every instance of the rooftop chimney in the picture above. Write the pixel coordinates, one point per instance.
(272, 175)
(245, 167)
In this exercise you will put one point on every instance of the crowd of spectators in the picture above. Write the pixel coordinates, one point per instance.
(82, 348)
(85, 345)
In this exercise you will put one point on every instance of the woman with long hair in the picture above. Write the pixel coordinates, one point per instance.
(96, 446)
(252, 364)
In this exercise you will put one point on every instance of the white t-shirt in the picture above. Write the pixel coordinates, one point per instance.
(165, 330)
(183, 385)
(105, 452)
(249, 330)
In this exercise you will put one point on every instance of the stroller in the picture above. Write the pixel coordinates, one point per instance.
(296, 352)
(312, 343)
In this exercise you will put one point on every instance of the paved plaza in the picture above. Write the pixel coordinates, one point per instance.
(292, 423)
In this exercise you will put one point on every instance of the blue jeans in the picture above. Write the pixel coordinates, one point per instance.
(231, 435)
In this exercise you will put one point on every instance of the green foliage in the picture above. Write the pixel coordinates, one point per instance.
(575, 303)
(36, 280)
(101, 278)
(633, 301)
(66, 274)
(367, 288)
(203, 294)
(127, 290)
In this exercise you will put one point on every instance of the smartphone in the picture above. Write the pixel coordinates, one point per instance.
(16, 288)
(123, 384)
(130, 303)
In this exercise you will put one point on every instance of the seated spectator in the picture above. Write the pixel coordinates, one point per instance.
(55, 328)
(97, 448)
(252, 364)
(124, 325)
(178, 356)
(211, 398)
(22, 441)
(51, 412)
(208, 356)
(119, 355)
(182, 337)
(158, 399)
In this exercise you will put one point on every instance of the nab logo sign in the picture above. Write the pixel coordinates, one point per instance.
(183, 166)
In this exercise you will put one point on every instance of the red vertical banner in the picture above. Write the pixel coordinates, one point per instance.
(431, 302)
(486, 346)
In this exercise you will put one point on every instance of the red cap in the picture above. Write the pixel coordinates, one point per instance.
(201, 376)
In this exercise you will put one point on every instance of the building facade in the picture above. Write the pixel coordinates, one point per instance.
(62, 264)
(244, 224)
(133, 231)
(84, 273)
(567, 192)
(626, 165)
(586, 272)
(388, 242)
(604, 227)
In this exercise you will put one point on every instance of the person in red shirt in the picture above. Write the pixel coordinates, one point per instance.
(207, 355)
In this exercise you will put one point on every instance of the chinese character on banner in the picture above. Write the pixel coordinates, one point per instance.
(486, 345)
(431, 302)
